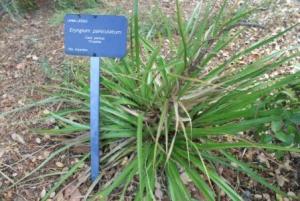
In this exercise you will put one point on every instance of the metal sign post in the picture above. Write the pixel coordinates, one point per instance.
(95, 36)
(94, 115)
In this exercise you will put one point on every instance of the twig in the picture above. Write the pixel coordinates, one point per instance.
(244, 24)
(6, 177)
(249, 24)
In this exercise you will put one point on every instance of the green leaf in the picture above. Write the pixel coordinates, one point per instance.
(276, 126)
(231, 128)
(140, 154)
(286, 138)
(136, 34)
(118, 180)
(197, 179)
(177, 190)
(295, 118)
(220, 181)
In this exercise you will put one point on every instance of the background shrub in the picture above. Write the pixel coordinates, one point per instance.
(77, 4)
(15, 8)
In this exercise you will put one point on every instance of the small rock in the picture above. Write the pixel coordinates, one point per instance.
(59, 164)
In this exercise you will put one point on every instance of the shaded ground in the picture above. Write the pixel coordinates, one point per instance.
(25, 47)
(31, 49)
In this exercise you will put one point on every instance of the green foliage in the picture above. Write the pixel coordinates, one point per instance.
(287, 130)
(164, 115)
(15, 8)
(27, 5)
(77, 4)
(69, 6)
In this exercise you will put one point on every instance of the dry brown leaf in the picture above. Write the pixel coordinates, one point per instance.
(20, 66)
(43, 193)
(281, 180)
(258, 196)
(184, 177)
(2, 151)
(263, 159)
(286, 165)
(72, 193)
(158, 192)
(267, 197)
(18, 138)
(59, 197)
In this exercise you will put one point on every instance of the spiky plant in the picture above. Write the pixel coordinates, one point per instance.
(162, 116)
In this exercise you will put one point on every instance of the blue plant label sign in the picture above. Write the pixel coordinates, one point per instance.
(95, 35)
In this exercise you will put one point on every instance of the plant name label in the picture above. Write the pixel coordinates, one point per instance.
(95, 35)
